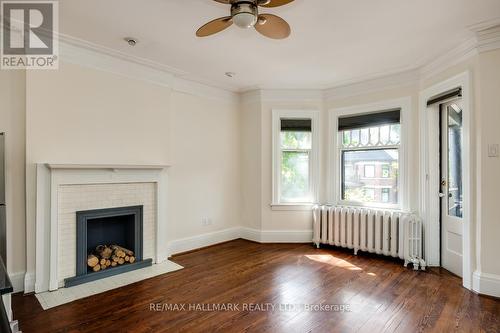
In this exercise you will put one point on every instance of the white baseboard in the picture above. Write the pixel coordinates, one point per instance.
(29, 283)
(199, 241)
(17, 280)
(261, 236)
(250, 234)
(277, 236)
(486, 284)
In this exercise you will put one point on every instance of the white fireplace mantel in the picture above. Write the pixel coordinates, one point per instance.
(54, 166)
(50, 176)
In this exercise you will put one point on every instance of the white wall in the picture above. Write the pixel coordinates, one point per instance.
(489, 183)
(87, 116)
(204, 180)
(12, 122)
(251, 160)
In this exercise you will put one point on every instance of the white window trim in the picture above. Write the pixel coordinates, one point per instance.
(405, 148)
(276, 161)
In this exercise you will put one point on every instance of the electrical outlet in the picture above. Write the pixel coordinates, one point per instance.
(493, 150)
(206, 221)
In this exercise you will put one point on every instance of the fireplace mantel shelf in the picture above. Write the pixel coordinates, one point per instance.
(55, 166)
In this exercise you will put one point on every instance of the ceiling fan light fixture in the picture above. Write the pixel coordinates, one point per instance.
(245, 20)
(244, 14)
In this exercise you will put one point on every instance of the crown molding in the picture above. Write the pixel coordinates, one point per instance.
(403, 79)
(485, 25)
(303, 95)
(486, 37)
(282, 95)
(108, 63)
(202, 90)
(251, 96)
(102, 50)
(86, 54)
(464, 51)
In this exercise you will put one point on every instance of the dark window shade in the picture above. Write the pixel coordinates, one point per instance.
(370, 120)
(296, 125)
(457, 92)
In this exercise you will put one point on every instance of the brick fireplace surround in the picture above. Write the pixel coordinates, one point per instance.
(63, 190)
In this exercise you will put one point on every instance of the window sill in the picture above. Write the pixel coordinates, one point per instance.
(292, 207)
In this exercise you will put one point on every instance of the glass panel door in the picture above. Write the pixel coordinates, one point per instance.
(455, 189)
(451, 187)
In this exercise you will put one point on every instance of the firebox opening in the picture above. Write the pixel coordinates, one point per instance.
(119, 230)
(109, 242)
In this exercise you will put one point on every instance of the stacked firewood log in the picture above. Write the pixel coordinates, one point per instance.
(109, 256)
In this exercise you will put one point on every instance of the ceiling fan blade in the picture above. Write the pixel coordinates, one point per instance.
(273, 26)
(214, 26)
(276, 3)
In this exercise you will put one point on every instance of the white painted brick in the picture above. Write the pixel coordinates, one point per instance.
(73, 198)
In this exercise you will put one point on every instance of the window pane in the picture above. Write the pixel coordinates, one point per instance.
(295, 177)
(382, 135)
(346, 138)
(395, 134)
(374, 135)
(355, 137)
(455, 188)
(357, 183)
(365, 136)
(296, 140)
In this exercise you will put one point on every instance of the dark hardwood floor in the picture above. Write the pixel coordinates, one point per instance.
(382, 296)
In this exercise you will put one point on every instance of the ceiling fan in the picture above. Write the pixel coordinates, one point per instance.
(245, 14)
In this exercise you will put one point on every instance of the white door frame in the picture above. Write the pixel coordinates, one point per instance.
(430, 177)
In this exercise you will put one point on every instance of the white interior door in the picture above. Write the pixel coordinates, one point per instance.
(451, 187)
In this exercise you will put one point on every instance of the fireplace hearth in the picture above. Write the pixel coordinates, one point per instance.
(111, 227)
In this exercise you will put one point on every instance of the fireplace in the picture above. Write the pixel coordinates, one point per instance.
(119, 228)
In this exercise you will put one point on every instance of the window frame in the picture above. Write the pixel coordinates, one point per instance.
(277, 115)
(335, 172)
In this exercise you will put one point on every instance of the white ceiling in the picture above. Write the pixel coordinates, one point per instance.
(332, 42)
